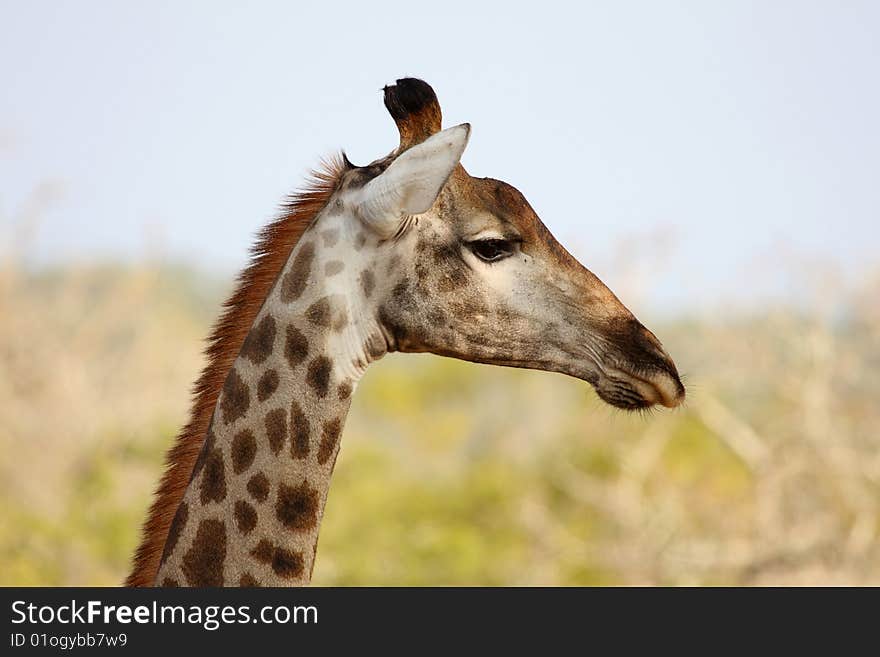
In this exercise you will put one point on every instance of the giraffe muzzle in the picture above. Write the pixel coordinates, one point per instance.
(637, 372)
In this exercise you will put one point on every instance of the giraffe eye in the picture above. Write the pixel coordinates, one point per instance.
(492, 249)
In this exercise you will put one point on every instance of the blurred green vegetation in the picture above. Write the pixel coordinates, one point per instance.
(452, 473)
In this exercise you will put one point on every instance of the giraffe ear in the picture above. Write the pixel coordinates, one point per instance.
(411, 184)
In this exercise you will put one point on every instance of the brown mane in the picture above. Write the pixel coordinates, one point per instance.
(268, 255)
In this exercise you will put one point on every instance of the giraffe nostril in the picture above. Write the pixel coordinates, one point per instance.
(651, 346)
(648, 339)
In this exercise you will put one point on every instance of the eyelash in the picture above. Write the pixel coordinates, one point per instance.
(492, 249)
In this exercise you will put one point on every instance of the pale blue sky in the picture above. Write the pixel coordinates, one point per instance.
(719, 139)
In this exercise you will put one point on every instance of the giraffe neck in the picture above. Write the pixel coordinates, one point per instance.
(253, 508)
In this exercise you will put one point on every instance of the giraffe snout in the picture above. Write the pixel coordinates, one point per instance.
(639, 371)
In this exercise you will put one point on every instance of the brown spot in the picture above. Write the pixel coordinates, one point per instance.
(236, 397)
(299, 432)
(177, 526)
(319, 375)
(244, 447)
(285, 563)
(245, 517)
(344, 390)
(359, 241)
(319, 312)
(297, 508)
(267, 385)
(203, 563)
(333, 267)
(329, 439)
(276, 429)
(393, 261)
(294, 282)
(296, 347)
(330, 237)
(340, 321)
(368, 282)
(247, 581)
(260, 342)
(213, 485)
(258, 487)
(170, 582)
(263, 551)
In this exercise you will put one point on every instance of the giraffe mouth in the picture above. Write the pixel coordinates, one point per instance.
(638, 390)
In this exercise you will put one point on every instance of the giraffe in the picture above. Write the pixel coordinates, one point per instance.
(409, 253)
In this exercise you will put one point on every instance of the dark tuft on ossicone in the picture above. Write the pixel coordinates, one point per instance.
(408, 96)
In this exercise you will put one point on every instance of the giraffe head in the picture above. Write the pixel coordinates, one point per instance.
(463, 267)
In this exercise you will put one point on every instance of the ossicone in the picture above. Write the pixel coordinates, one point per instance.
(413, 105)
